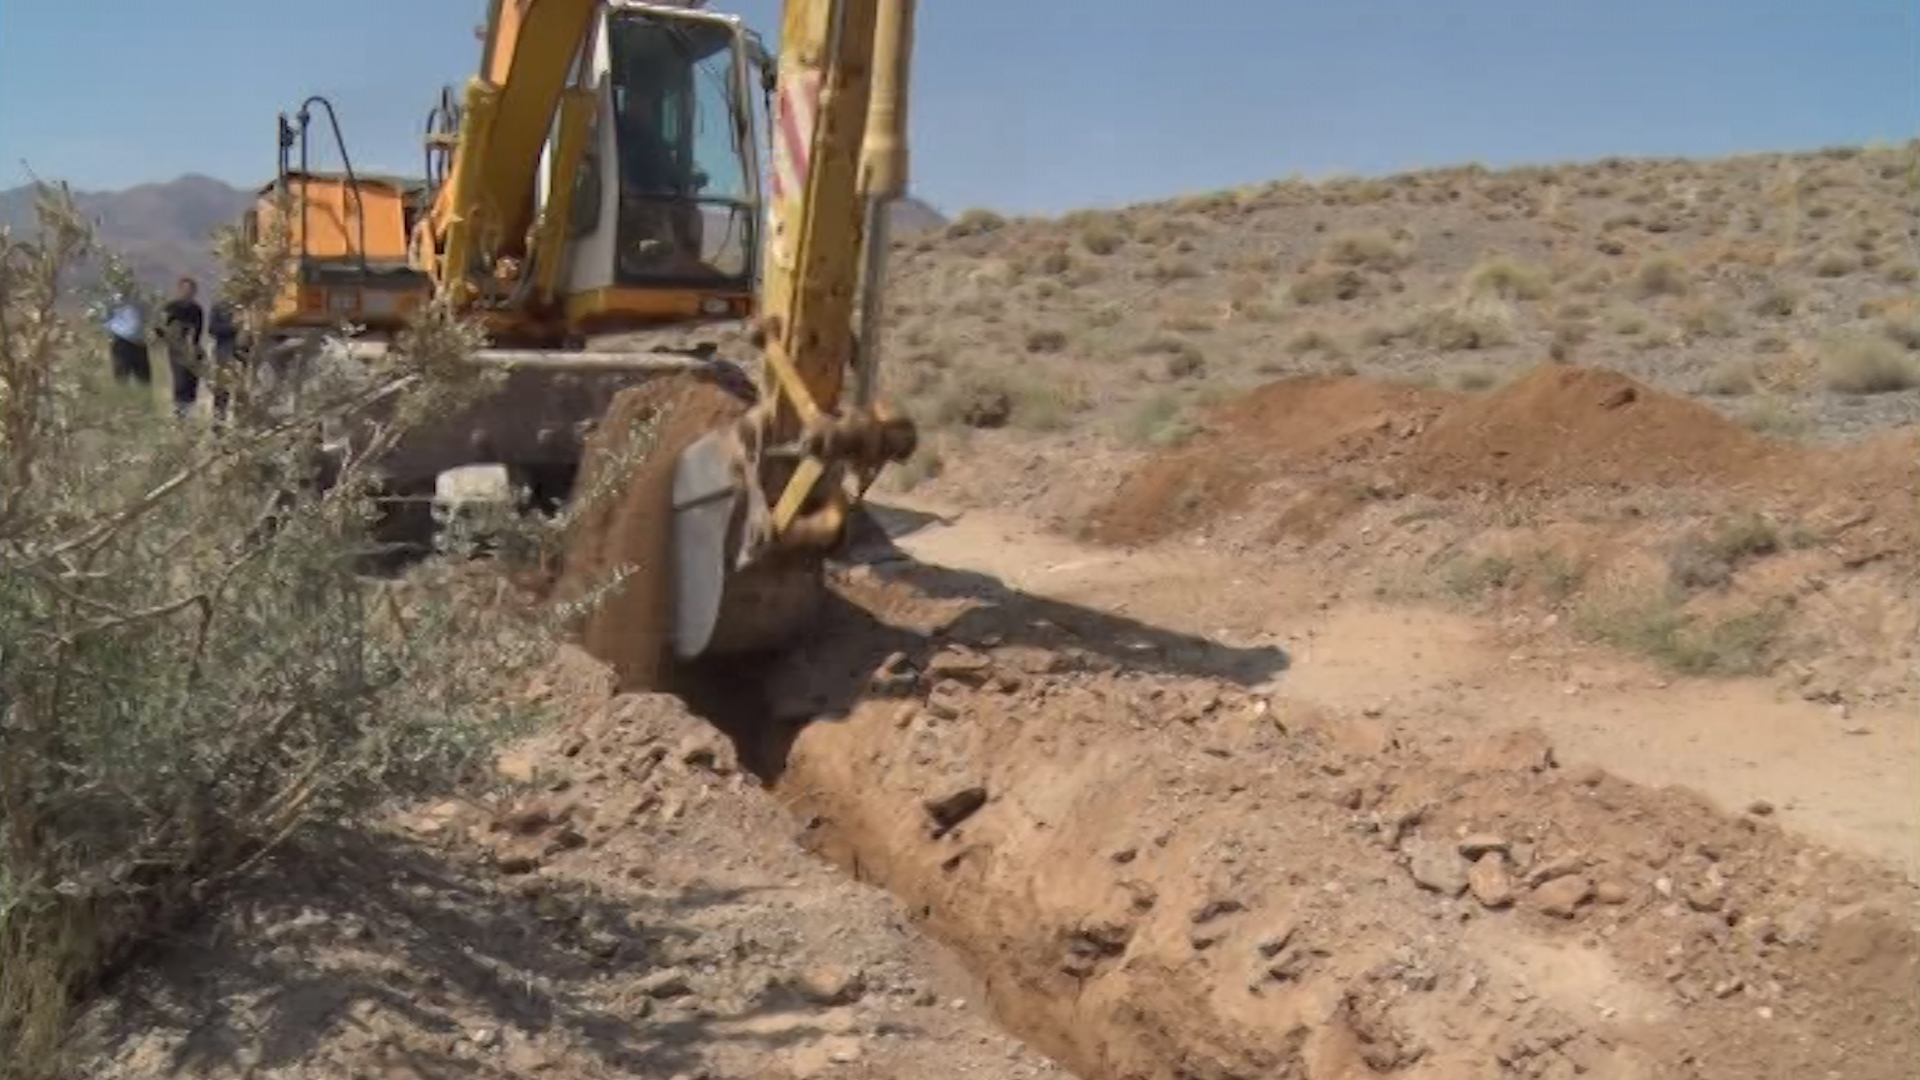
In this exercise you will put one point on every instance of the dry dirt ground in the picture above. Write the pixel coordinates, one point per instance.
(1241, 715)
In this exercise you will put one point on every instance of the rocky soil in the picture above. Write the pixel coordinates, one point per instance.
(1418, 637)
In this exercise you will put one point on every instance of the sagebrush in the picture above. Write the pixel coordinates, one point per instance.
(193, 662)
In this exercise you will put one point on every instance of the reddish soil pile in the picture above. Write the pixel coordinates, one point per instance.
(623, 527)
(1560, 428)
(1291, 424)
(1555, 432)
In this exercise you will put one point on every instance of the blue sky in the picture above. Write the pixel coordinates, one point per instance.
(1032, 105)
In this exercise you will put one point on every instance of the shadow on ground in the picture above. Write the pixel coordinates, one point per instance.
(357, 952)
(764, 704)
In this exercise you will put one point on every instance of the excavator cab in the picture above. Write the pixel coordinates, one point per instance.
(647, 207)
(681, 133)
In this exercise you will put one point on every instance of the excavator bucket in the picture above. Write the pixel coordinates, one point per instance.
(726, 601)
(663, 553)
(706, 501)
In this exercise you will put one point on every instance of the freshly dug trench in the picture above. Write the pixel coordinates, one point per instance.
(1159, 874)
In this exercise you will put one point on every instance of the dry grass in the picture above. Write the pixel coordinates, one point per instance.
(1656, 626)
(1508, 279)
(1868, 365)
(1662, 275)
(1475, 322)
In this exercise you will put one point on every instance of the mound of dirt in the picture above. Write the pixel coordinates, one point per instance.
(1310, 422)
(1556, 432)
(1562, 428)
(617, 555)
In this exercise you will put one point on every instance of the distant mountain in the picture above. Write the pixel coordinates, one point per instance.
(164, 230)
(161, 230)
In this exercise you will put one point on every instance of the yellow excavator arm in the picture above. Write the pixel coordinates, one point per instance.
(483, 215)
(839, 161)
(808, 450)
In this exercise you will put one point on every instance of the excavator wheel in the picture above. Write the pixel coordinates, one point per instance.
(652, 553)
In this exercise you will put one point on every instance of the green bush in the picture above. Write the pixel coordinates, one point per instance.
(193, 662)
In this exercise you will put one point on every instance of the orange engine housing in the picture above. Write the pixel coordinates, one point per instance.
(348, 237)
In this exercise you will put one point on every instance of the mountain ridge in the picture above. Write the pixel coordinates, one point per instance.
(164, 229)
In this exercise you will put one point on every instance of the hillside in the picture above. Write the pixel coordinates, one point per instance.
(1662, 403)
(1781, 288)
(164, 229)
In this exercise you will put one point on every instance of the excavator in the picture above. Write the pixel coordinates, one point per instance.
(600, 175)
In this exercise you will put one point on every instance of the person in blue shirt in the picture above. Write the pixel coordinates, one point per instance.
(127, 334)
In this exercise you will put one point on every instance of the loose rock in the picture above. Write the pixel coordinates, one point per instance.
(948, 812)
(1436, 867)
(831, 984)
(666, 983)
(1475, 845)
(1489, 880)
(1563, 896)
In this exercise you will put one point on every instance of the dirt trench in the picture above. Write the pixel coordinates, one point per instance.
(1159, 867)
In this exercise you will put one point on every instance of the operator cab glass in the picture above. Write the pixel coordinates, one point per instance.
(683, 119)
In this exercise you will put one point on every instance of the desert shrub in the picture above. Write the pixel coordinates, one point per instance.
(1662, 275)
(1731, 378)
(1101, 238)
(1706, 319)
(1373, 249)
(998, 397)
(1902, 331)
(1317, 285)
(1472, 379)
(1467, 324)
(1314, 340)
(193, 663)
(1778, 302)
(1656, 626)
(1046, 339)
(1509, 280)
(975, 222)
(1160, 421)
(1182, 358)
(1835, 263)
(1868, 365)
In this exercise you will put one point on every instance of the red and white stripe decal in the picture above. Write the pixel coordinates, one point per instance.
(797, 107)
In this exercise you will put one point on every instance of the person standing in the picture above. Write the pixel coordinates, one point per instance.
(225, 332)
(182, 324)
(127, 342)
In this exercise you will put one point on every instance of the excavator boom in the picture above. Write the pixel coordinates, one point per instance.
(531, 51)
(839, 160)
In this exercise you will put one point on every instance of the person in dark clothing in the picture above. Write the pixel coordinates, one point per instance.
(127, 337)
(225, 332)
(182, 324)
